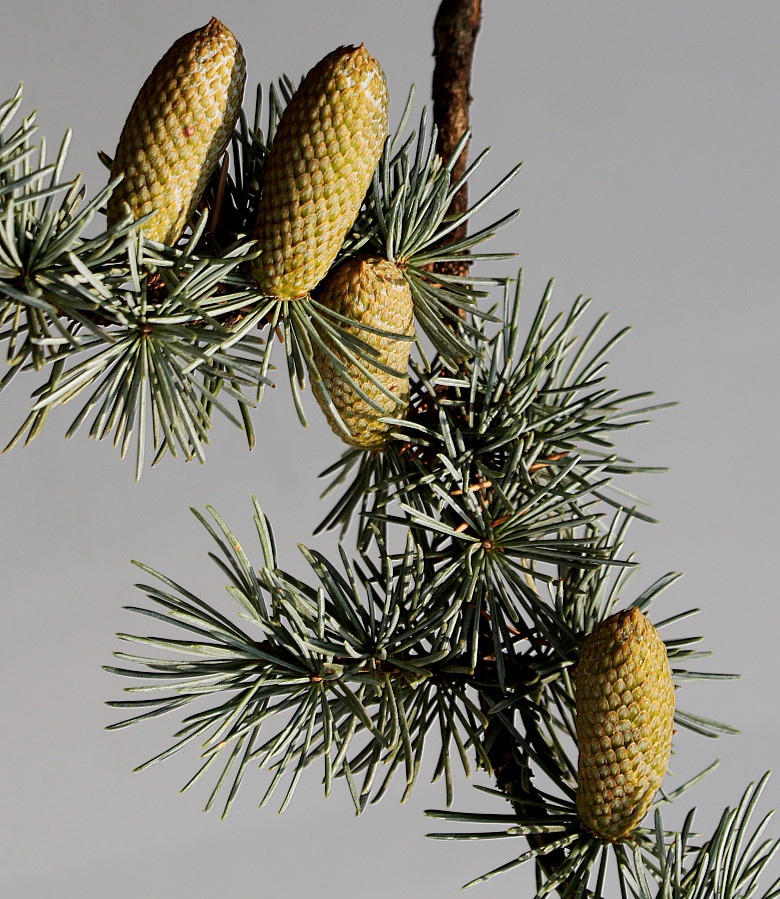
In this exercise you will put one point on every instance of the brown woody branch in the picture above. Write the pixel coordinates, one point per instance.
(455, 32)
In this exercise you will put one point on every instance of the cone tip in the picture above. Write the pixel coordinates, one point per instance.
(215, 25)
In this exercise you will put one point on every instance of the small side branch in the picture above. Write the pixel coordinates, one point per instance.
(455, 31)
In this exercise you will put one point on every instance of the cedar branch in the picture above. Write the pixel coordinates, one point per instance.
(455, 32)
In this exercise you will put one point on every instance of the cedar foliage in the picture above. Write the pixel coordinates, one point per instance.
(489, 533)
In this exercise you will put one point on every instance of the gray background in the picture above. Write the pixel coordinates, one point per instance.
(650, 137)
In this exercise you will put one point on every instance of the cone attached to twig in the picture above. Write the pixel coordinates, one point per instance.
(322, 158)
(625, 719)
(372, 292)
(178, 128)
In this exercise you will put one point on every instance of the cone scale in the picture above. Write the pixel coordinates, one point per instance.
(323, 156)
(178, 128)
(370, 291)
(625, 720)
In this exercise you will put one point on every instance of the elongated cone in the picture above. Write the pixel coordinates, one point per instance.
(178, 128)
(625, 714)
(373, 292)
(322, 158)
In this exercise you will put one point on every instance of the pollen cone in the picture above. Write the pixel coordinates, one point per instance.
(625, 717)
(178, 128)
(322, 159)
(373, 292)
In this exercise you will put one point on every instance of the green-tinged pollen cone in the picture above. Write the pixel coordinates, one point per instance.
(323, 156)
(371, 291)
(625, 719)
(178, 128)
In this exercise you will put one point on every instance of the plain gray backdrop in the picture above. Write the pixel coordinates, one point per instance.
(651, 143)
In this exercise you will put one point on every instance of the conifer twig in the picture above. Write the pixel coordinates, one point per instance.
(455, 31)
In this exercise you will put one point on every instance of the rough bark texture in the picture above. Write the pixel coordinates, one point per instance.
(455, 32)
